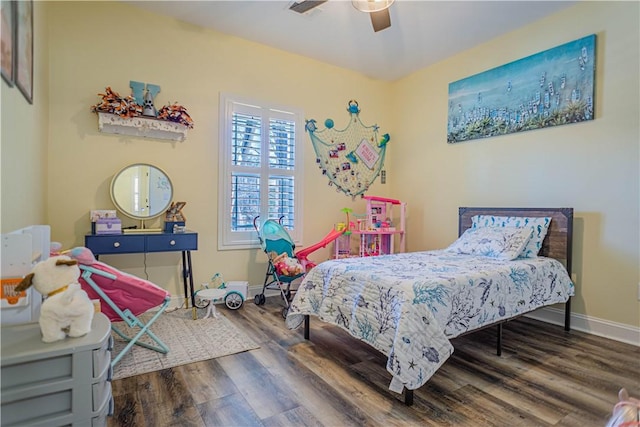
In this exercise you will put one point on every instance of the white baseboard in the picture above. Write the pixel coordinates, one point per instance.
(591, 325)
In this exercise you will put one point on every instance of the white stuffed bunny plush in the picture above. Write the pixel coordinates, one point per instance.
(67, 309)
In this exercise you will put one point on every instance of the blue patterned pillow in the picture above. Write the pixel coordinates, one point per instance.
(496, 242)
(539, 226)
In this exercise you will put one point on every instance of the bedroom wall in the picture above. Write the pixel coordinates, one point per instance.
(60, 168)
(591, 166)
(99, 44)
(23, 141)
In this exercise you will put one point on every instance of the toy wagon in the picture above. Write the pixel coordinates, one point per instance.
(236, 293)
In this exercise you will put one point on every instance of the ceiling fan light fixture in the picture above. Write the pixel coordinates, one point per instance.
(371, 6)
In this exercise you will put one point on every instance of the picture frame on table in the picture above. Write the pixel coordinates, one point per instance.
(24, 48)
(7, 39)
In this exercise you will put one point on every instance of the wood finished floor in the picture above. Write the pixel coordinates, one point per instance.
(545, 377)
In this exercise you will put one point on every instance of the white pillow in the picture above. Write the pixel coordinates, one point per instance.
(539, 225)
(496, 242)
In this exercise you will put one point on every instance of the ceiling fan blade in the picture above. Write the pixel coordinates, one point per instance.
(304, 6)
(380, 20)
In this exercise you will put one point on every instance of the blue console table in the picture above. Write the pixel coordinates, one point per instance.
(135, 243)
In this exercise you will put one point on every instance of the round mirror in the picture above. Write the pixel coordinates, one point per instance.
(141, 191)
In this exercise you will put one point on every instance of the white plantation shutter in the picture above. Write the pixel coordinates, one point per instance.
(260, 167)
(282, 162)
(245, 201)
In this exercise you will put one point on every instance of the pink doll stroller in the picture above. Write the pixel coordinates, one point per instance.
(123, 297)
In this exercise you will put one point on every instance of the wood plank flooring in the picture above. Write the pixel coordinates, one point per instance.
(545, 377)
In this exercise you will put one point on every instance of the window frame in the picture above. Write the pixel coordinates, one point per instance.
(229, 104)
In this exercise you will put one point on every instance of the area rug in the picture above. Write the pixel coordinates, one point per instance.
(188, 341)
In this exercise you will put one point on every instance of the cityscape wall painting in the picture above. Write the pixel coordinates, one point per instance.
(551, 88)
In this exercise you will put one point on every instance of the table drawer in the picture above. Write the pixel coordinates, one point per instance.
(167, 242)
(121, 244)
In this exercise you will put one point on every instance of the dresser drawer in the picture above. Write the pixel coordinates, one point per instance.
(101, 394)
(166, 242)
(121, 244)
(42, 371)
(52, 384)
(101, 419)
(102, 359)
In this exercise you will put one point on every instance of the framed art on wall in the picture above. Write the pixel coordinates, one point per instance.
(24, 48)
(7, 60)
(550, 88)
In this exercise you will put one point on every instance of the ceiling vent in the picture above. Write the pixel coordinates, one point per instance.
(305, 6)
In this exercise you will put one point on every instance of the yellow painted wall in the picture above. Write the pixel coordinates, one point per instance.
(591, 166)
(192, 65)
(24, 137)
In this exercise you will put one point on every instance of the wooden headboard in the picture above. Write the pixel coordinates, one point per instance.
(558, 242)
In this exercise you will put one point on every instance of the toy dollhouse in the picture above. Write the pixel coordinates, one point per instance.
(376, 230)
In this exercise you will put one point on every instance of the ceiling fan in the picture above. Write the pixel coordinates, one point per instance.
(378, 10)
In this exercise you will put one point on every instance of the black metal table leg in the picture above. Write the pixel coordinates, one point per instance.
(191, 287)
(184, 279)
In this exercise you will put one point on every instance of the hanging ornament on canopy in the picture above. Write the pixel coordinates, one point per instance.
(351, 158)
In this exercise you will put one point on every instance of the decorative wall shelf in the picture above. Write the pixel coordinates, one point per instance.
(141, 126)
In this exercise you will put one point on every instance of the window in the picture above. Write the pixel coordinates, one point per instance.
(260, 169)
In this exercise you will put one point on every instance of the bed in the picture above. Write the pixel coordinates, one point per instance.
(408, 306)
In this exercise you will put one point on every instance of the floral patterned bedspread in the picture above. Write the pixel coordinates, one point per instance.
(409, 305)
